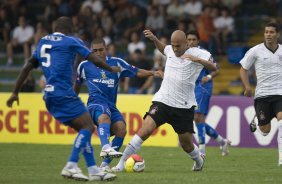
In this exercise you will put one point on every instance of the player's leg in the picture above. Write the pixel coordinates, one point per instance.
(200, 124)
(118, 129)
(264, 115)
(202, 97)
(156, 116)
(85, 138)
(279, 137)
(101, 113)
(182, 123)
(188, 146)
(73, 113)
(148, 126)
(277, 108)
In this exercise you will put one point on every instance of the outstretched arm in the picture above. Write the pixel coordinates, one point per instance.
(207, 64)
(245, 80)
(100, 63)
(159, 45)
(147, 73)
(20, 80)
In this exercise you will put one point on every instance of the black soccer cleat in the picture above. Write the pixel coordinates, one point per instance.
(253, 125)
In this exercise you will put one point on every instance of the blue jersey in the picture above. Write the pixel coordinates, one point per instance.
(56, 54)
(103, 84)
(204, 73)
(203, 92)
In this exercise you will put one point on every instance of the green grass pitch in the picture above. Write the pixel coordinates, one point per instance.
(42, 164)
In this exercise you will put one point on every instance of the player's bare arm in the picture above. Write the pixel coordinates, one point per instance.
(159, 45)
(101, 63)
(245, 80)
(147, 73)
(76, 88)
(209, 77)
(207, 64)
(20, 80)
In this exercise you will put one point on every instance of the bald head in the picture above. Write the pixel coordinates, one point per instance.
(178, 42)
(64, 25)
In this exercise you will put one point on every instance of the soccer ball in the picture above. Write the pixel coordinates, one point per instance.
(134, 163)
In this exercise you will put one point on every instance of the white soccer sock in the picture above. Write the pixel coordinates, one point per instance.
(279, 139)
(202, 148)
(220, 140)
(93, 169)
(106, 146)
(195, 154)
(131, 148)
(71, 165)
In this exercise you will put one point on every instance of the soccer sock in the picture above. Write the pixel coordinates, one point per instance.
(80, 143)
(131, 148)
(71, 165)
(88, 154)
(201, 133)
(220, 140)
(104, 134)
(279, 139)
(210, 131)
(195, 154)
(116, 144)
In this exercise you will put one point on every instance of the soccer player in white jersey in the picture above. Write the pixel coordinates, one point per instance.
(175, 101)
(267, 60)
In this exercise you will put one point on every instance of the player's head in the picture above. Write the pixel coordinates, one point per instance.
(193, 38)
(271, 33)
(178, 42)
(64, 25)
(98, 46)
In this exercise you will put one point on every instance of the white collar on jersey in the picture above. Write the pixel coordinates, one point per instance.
(58, 33)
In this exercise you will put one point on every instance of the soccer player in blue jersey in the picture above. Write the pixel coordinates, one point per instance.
(103, 88)
(203, 92)
(55, 54)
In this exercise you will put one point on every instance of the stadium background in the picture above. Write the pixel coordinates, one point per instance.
(116, 21)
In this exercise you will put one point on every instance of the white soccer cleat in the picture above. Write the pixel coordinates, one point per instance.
(110, 152)
(74, 173)
(198, 166)
(224, 150)
(102, 176)
(117, 169)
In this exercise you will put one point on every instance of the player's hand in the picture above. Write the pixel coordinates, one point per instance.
(149, 34)
(190, 57)
(159, 74)
(115, 69)
(205, 79)
(10, 101)
(248, 92)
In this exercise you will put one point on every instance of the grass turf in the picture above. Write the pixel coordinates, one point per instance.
(31, 163)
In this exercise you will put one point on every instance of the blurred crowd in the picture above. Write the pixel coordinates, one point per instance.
(120, 23)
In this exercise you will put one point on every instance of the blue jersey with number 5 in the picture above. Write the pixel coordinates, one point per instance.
(56, 54)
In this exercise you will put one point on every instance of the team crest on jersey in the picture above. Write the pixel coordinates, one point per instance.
(154, 110)
(103, 74)
(261, 115)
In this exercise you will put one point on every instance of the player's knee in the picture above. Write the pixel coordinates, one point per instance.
(264, 130)
(121, 133)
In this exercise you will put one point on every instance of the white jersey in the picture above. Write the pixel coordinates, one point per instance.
(177, 89)
(268, 66)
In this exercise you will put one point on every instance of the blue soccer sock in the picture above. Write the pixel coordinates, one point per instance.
(116, 144)
(88, 154)
(211, 132)
(104, 133)
(81, 143)
(201, 133)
